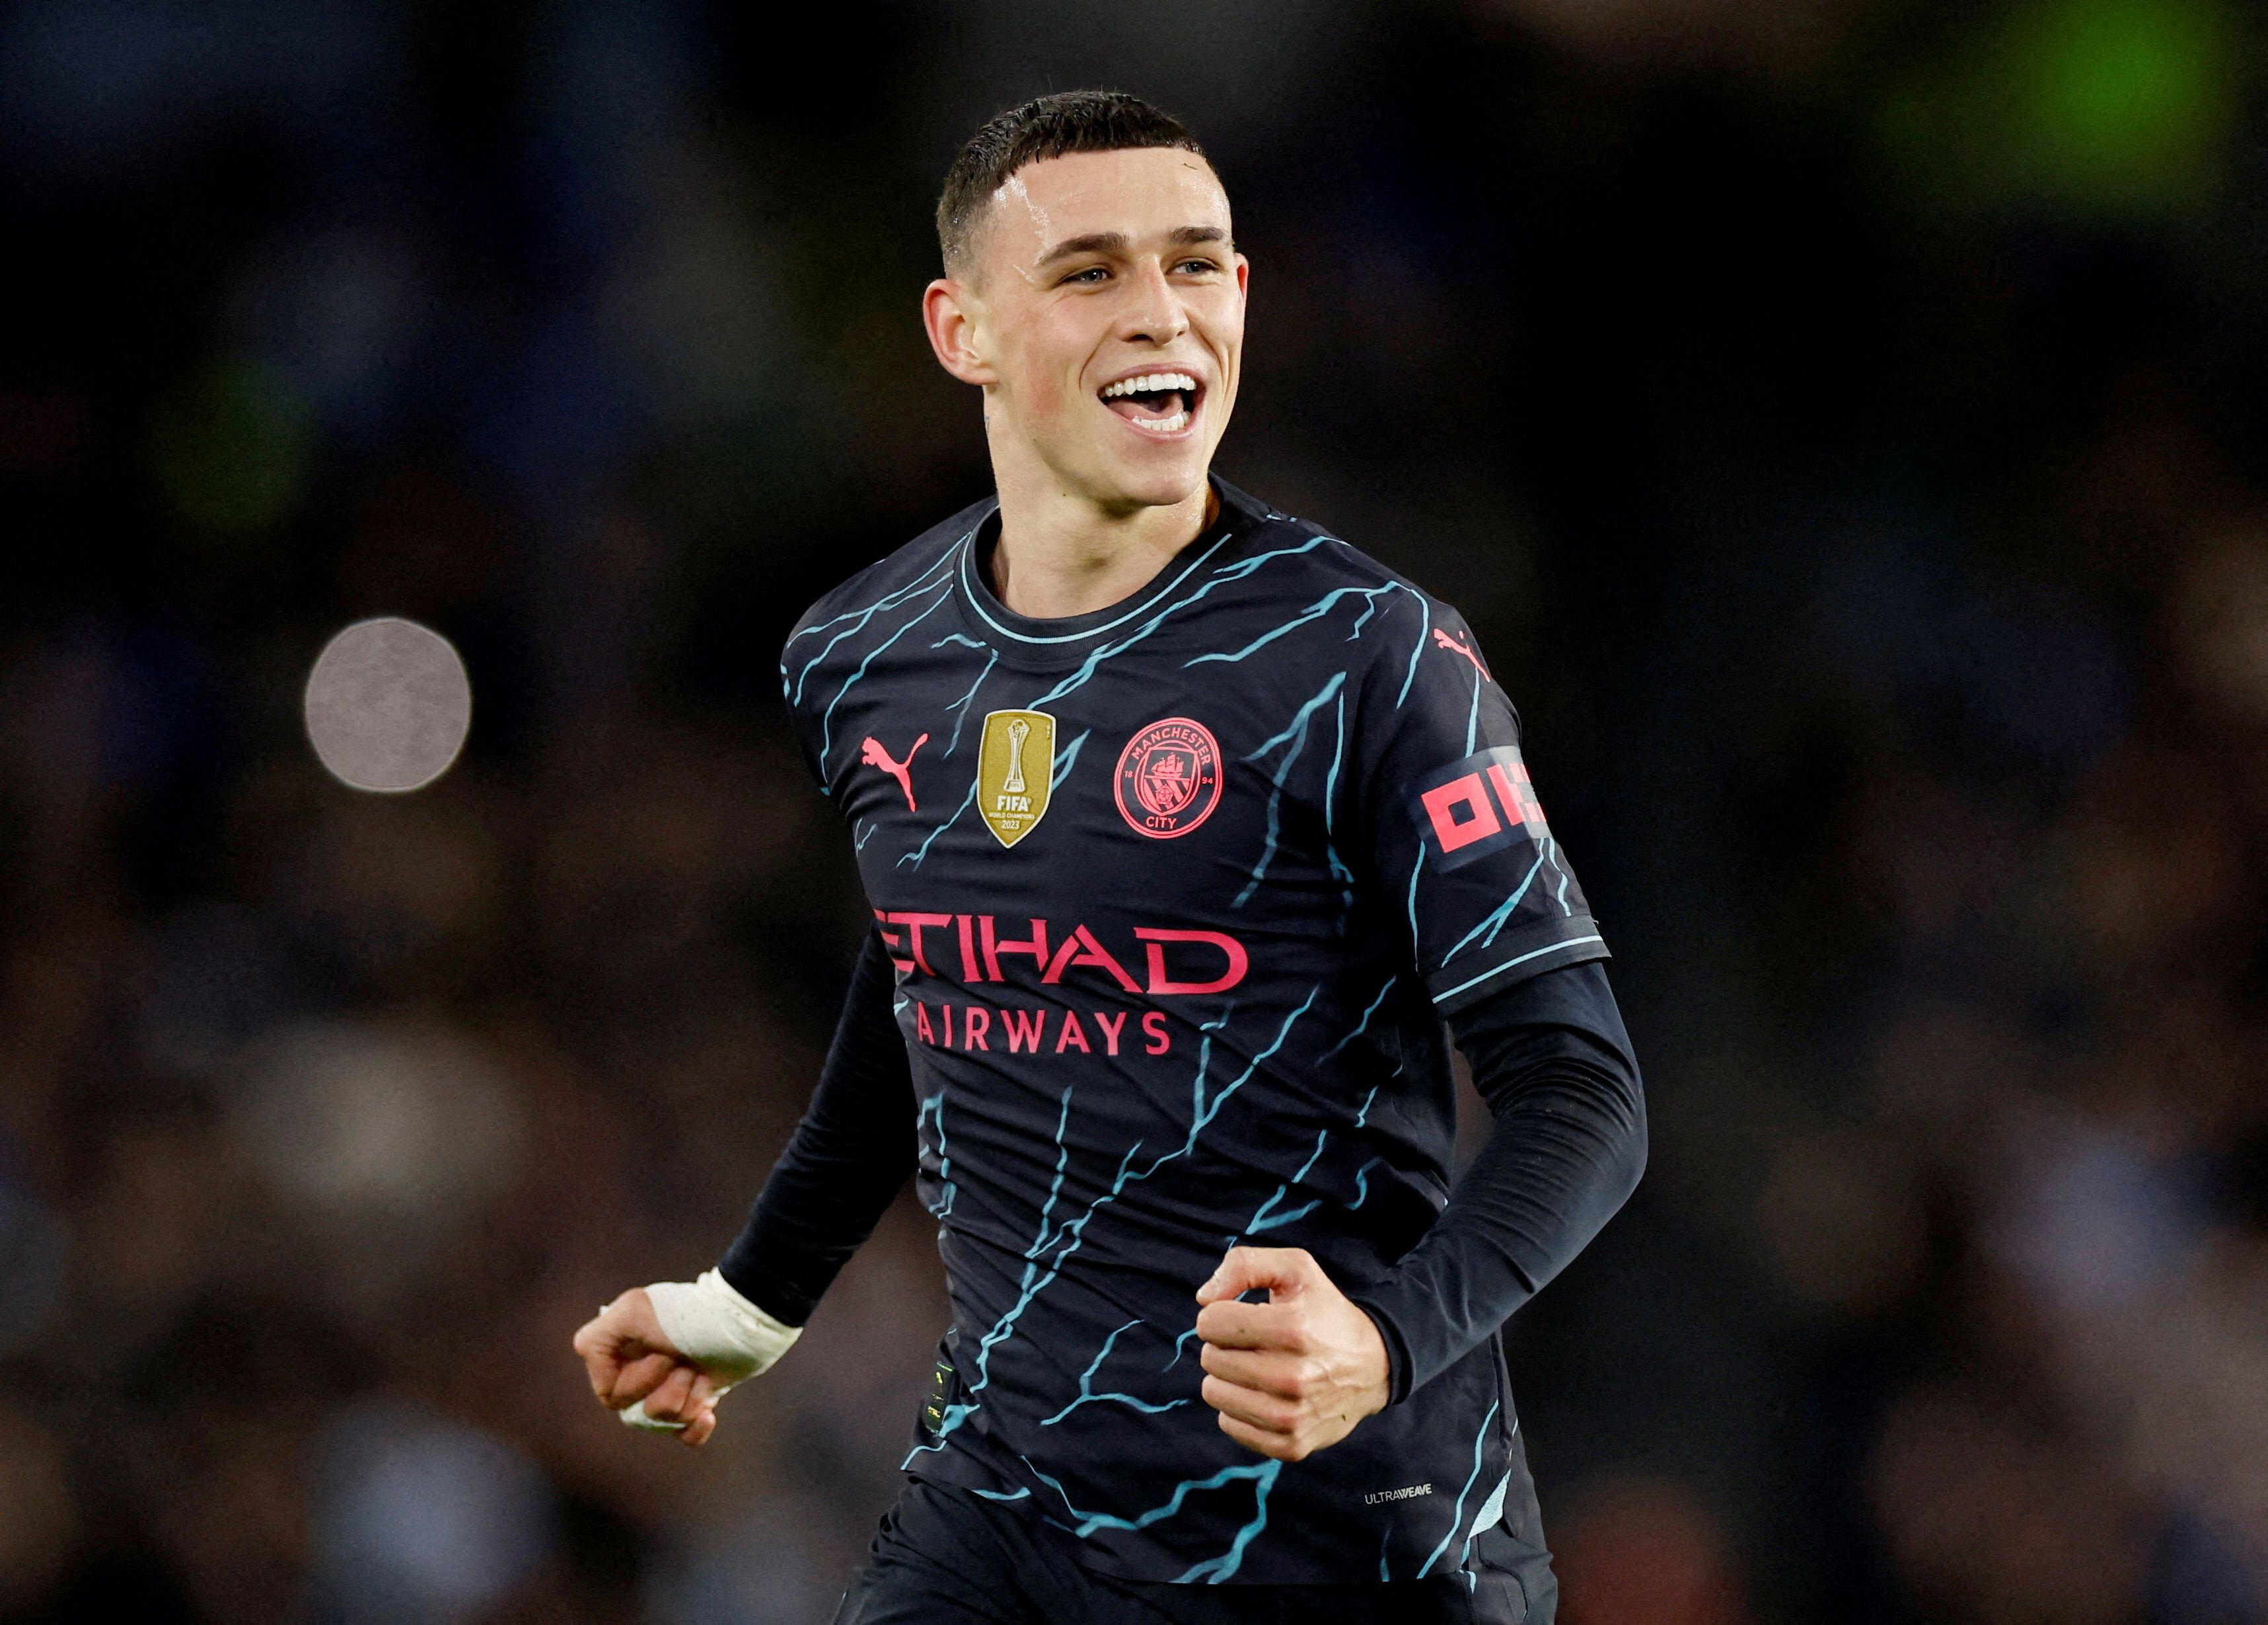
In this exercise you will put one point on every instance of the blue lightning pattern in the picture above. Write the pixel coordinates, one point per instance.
(1219, 1568)
(929, 841)
(1552, 850)
(960, 705)
(1204, 1110)
(1362, 1182)
(1055, 1190)
(1424, 627)
(1244, 567)
(1202, 1113)
(859, 617)
(1265, 1217)
(1345, 875)
(1004, 1327)
(1457, 1518)
(933, 1109)
(1295, 735)
(827, 717)
(1087, 1395)
(1370, 597)
(1236, 572)
(1492, 1511)
(1070, 755)
(1359, 1029)
(1213, 1571)
(1180, 1347)
(1497, 921)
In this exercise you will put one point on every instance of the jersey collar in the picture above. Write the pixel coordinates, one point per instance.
(1063, 640)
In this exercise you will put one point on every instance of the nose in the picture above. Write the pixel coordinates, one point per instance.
(1153, 311)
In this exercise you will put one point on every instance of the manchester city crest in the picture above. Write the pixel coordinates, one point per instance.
(1169, 778)
(1015, 772)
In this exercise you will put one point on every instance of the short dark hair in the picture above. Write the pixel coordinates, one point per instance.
(1086, 121)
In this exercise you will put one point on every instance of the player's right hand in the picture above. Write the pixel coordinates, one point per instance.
(630, 1358)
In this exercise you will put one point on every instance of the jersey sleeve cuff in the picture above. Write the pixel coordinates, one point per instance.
(1469, 978)
(1397, 1352)
(764, 1289)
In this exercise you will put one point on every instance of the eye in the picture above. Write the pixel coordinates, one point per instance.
(1198, 266)
(1090, 276)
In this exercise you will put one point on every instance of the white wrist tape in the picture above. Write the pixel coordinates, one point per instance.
(729, 1338)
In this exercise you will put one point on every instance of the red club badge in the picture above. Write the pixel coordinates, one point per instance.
(1169, 778)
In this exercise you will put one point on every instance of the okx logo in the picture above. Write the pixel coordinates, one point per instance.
(1479, 806)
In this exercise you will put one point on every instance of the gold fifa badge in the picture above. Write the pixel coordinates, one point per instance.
(1015, 771)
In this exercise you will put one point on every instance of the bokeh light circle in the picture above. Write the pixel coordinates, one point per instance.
(388, 706)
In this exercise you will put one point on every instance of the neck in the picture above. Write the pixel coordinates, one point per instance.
(1061, 553)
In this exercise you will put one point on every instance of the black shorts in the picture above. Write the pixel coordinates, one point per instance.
(944, 1557)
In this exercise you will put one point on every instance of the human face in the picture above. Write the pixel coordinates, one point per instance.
(1091, 274)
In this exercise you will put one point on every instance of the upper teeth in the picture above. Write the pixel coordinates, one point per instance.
(1149, 381)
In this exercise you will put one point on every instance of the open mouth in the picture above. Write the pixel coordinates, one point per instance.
(1161, 402)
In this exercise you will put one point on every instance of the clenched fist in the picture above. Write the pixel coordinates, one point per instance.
(1296, 1373)
(630, 1359)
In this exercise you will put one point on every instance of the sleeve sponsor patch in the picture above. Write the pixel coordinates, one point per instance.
(1475, 806)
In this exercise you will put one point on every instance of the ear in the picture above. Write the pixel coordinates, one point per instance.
(949, 317)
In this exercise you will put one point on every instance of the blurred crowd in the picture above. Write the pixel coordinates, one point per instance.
(1840, 421)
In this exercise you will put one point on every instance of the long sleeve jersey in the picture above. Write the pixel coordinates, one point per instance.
(1170, 901)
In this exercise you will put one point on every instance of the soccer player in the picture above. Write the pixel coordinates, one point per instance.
(1184, 826)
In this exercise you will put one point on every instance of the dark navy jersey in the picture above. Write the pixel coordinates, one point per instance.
(1177, 892)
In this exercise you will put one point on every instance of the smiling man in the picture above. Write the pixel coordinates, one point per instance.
(1185, 827)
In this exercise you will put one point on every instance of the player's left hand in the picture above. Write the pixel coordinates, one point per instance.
(1296, 1373)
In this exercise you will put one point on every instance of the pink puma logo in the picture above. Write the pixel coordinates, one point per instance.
(1458, 644)
(871, 754)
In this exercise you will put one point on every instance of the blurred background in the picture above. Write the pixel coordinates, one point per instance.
(1845, 421)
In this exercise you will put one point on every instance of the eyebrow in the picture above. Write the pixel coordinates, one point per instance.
(1115, 242)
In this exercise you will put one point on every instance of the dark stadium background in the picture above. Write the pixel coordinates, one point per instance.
(1846, 422)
